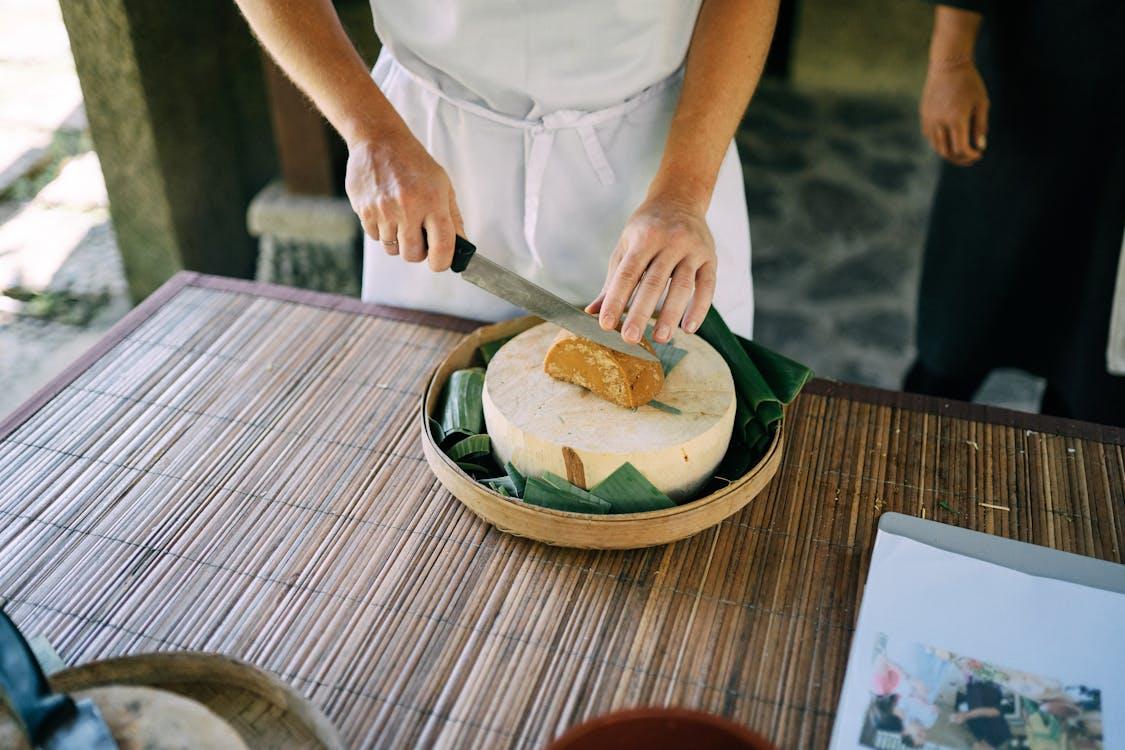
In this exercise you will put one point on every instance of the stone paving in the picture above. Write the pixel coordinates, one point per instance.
(838, 186)
(61, 281)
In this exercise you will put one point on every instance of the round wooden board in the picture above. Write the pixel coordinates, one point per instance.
(266, 713)
(542, 424)
(624, 531)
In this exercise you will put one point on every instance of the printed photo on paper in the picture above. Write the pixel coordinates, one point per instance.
(922, 696)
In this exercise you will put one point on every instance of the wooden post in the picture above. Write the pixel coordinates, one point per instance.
(177, 111)
(304, 150)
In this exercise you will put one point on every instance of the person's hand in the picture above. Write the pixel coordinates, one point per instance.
(665, 245)
(398, 190)
(954, 112)
(957, 718)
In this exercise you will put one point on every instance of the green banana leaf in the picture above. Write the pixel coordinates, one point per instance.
(471, 449)
(664, 407)
(462, 411)
(519, 481)
(764, 382)
(551, 491)
(628, 491)
(488, 349)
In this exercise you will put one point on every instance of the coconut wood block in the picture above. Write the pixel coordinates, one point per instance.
(543, 424)
(238, 469)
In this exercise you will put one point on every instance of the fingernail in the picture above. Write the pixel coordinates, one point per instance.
(631, 333)
(662, 332)
(606, 321)
(691, 325)
(982, 142)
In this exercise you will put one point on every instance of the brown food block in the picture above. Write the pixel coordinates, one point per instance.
(618, 378)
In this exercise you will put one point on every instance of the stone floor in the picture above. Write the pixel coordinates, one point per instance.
(838, 186)
(61, 281)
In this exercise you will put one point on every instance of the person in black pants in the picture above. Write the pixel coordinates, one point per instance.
(1025, 101)
(979, 711)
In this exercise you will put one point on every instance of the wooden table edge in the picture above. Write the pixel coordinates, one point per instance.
(862, 393)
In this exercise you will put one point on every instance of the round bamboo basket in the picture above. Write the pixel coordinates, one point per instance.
(266, 713)
(616, 531)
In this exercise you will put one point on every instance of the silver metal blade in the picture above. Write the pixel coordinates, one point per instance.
(86, 731)
(512, 287)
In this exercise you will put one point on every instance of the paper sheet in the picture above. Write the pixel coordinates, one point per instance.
(950, 651)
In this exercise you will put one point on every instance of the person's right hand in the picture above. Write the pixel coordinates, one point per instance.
(398, 190)
(954, 112)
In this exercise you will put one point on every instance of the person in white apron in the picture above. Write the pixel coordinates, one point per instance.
(543, 132)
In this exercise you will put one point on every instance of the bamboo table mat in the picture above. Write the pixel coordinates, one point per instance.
(237, 469)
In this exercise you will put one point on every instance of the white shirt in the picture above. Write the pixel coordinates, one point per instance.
(550, 118)
(527, 59)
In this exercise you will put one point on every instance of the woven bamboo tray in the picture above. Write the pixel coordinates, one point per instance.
(581, 530)
(263, 710)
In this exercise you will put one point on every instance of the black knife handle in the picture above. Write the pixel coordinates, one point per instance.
(25, 686)
(462, 252)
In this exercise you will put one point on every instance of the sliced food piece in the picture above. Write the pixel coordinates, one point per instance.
(616, 377)
(628, 491)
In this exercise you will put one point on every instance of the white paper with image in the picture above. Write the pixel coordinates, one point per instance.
(954, 652)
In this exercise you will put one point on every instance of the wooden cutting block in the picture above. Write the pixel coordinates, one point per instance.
(542, 424)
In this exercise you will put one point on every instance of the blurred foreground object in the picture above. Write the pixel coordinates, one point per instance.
(660, 729)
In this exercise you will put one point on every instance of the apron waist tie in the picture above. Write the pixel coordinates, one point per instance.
(539, 141)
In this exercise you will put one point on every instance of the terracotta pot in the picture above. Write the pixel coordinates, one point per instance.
(660, 729)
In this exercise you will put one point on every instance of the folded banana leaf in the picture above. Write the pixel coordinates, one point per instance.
(518, 479)
(503, 485)
(471, 449)
(628, 491)
(764, 381)
(511, 484)
(462, 411)
(488, 349)
(475, 469)
(551, 491)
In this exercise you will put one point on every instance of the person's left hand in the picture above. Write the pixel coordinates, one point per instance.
(665, 245)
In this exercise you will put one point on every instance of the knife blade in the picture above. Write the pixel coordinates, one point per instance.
(54, 721)
(508, 285)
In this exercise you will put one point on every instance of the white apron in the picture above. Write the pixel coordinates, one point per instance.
(549, 151)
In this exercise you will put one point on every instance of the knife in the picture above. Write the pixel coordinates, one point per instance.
(510, 286)
(52, 721)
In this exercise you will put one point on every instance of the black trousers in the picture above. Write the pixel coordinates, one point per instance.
(921, 379)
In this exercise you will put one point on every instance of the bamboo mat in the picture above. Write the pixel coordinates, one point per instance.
(243, 474)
